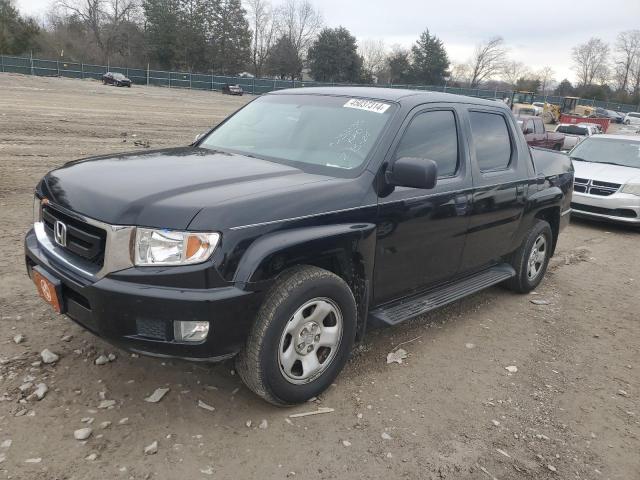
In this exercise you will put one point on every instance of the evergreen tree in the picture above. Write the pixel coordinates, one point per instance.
(564, 89)
(17, 34)
(231, 40)
(162, 31)
(399, 66)
(334, 56)
(430, 61)
(192, 34)
(283, 59)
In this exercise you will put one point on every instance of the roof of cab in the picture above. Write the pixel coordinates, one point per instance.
(399, 95)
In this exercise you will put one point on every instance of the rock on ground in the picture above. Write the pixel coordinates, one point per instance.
(48, 356)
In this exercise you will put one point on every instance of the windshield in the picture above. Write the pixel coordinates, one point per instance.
(572, 130)
(608, 150)
(118, 76)
(312, 130)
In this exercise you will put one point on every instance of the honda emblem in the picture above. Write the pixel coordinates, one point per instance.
(60, 233)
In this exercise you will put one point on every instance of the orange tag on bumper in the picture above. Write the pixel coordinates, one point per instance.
(47, 290)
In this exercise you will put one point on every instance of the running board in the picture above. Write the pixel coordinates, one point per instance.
(415, 305)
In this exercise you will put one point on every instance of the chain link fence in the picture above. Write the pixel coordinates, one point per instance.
(254, 86)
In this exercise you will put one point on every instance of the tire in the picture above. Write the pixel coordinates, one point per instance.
(524, 282)
(261, 363)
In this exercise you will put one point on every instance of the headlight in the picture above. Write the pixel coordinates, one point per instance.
(632, 188)
(170, 247)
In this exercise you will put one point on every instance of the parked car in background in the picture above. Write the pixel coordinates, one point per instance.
(117, 79)
(232, 89)
(596, 126)
(536, 134)
(538, 108)
(291, 226)
(632, 118)
(574, 133)
(607, 178)
(615, 116)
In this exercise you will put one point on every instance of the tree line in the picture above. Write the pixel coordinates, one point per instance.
(291, 40)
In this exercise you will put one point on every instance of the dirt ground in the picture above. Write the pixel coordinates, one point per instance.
(450, 411)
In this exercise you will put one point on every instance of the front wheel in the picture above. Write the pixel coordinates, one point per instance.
(302, 337)
(531, 259)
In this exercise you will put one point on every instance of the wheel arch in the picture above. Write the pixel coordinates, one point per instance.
(346, 250)
(552, 216)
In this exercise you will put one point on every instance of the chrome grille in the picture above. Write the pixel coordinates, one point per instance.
(595, 187)
(85, 240)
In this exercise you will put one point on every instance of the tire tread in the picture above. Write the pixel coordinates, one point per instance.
(248, 363)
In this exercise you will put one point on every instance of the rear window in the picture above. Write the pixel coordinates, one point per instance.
(432, 135)
(572, 130)
(491, 140)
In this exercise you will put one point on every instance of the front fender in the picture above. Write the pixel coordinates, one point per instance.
(274, 252)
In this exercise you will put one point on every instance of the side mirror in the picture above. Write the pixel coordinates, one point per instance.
(413, 172)
(528, 130)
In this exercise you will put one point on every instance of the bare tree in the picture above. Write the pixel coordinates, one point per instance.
(103, 18)
(545, 75)
(460, 73)
(628, 52)
(299, 22)
(513, 71)
(635, 76)
(264, 28)
(374, 56)
(603, 75)
(488, 60)
(91, 12)
(589, 60)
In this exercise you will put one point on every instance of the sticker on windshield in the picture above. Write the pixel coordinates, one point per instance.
(368, 105)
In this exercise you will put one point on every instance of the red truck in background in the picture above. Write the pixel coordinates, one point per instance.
(536, 134)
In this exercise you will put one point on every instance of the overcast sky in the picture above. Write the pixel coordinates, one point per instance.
(538, 33)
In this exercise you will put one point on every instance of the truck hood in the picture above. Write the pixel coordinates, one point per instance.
(605, 172)
(168, 188)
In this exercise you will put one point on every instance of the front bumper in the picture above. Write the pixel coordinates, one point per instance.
(139, 317)
(619, 207)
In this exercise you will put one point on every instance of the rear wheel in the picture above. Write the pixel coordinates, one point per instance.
(302, 337)
(532, 258)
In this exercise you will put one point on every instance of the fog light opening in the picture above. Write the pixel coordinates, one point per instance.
(190, 331)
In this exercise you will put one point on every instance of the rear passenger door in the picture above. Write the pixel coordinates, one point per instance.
(500, 184)
(421, 233)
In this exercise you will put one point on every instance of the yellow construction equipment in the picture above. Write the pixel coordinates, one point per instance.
(522, 103)
(569, 106)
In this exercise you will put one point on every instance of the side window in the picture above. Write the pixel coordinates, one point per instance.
(539, 125)
(491, 139)
(432, 135)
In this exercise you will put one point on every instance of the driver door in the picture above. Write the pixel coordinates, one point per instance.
(421, 233)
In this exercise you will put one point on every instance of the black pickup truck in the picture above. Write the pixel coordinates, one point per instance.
(280, 235)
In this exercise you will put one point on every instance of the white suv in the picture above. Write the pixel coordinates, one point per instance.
(632, 118)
